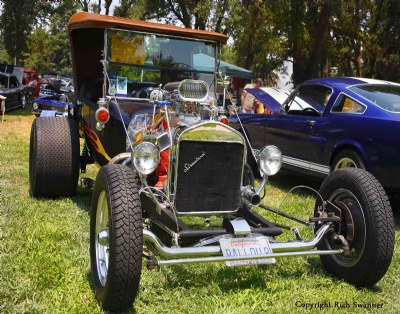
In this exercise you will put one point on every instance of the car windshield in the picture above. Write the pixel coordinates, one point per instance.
(138, 61)
(385, 96)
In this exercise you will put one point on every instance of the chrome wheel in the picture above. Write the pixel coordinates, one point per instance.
(102, 238)
(23, 101)
(345, 162)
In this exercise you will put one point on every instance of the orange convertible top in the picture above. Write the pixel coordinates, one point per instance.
(92, 20)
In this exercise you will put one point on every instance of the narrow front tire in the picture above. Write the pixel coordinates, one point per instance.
(367, 225)
(116, 237)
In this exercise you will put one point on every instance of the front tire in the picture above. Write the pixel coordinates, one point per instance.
(367, 225)
(116, 237)
(53, 157)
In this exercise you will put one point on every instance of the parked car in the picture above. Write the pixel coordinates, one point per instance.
(56, 97)
(162, 161)
(11, 88)
(332, 123)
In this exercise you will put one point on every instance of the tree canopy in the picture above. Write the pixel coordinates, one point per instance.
(320, 37)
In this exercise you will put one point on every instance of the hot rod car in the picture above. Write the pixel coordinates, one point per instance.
(149, 118)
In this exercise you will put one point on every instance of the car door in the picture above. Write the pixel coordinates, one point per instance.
(296, 131)
(13, 99)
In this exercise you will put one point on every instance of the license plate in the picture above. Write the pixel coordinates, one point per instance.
(244, 247)
(48, 113)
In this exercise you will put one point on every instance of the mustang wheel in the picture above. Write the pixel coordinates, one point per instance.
(347, 159)
(367, 226)
(116, 237)
(53, 157)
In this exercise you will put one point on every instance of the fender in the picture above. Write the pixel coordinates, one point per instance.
(350, 144)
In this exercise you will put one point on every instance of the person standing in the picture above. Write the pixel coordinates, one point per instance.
(248, 100)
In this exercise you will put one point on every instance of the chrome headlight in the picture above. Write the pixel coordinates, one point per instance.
(146, 158)
(35, 106)
(270, 160)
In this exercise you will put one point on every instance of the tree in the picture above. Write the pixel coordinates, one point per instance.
(39, 56)
(16, 21)
(196, 14)
(48, 48)
(381, 54)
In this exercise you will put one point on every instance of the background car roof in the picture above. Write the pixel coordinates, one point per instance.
(346, 81)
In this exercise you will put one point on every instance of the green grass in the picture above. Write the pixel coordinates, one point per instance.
(44, 256)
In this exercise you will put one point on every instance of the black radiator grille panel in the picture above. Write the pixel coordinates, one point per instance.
(212, 179)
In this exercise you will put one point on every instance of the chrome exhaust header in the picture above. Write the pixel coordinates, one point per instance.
(213, 253)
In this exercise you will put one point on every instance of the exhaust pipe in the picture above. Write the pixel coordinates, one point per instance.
(250, 195)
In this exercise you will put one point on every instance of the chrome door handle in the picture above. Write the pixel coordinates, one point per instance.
(311, 123)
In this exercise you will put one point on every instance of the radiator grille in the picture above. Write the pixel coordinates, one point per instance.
(209, 176)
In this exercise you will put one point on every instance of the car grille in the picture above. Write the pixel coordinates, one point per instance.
(209, 176)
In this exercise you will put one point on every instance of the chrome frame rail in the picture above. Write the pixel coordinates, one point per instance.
(213, 253)
(241, 258)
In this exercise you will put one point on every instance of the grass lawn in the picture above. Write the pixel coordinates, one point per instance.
(44, 257)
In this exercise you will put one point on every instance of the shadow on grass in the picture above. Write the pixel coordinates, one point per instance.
(27, 111)
(286, 180)
(83, 199)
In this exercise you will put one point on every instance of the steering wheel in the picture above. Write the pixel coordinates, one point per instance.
(143, 92)
(183, 66)
(311, 111)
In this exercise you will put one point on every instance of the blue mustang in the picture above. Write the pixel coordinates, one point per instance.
(331, 123)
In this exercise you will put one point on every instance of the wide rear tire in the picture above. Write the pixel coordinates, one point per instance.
(367, 225)
(53, 157)
(116, 237)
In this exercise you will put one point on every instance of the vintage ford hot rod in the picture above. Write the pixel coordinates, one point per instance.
(146, 109)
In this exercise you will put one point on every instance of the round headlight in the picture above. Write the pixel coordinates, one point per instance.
(35, 106)
(146, 157)
(270, 160)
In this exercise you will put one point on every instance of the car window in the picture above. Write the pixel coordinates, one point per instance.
(344, 104)
(309, 100)
(385, 96)
(13, 82)
(3, 81)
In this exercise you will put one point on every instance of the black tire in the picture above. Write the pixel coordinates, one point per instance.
(347, 159)
(367, 224)
(117, 188)
(53, 157)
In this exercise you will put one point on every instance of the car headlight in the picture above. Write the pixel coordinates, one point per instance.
(35, 106)
(270, 160)
(146, 158)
